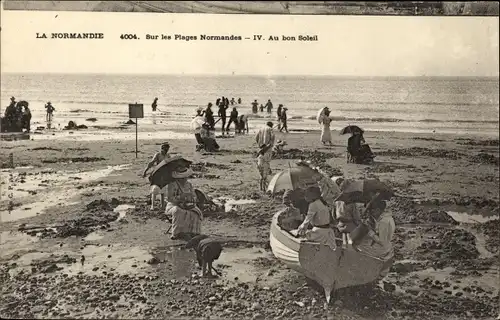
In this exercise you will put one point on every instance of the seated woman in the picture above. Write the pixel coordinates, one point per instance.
(290, 218)
(359, 151)
(181, 205)
(378, 240)
(319, 217)
(208, 139)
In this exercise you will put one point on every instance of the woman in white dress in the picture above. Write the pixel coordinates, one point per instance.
(326, 134)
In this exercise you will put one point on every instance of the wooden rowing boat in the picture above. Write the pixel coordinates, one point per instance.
(330, 269)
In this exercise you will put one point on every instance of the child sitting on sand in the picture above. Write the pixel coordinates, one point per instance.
(291, 218)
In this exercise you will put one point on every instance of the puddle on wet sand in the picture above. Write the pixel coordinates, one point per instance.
(62, 190)
(488, 281)
(13, 241)
(123, 260)
(464, 217)
(235, 264)
(230, 204)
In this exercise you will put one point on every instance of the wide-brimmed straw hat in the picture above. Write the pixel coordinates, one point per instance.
(182, 173)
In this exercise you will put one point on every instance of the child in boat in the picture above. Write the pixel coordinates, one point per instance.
(347, 215)
(290, 218)
(319, 217)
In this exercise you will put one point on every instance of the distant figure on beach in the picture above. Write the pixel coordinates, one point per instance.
(233, 101)
(181, 205)
(326, 133)
(269, 106)
(154, 105)
(50, 111)
(261, 107)
(233, 118)
(26, 118)
(255, 106)
(359, 151)
(12, 102)
(217, 102)
(242, 124)
(209, 115)
(155, 190)
(278, 113)
(222, 115)
(226, 102)
(239, 100)
(265, 140)
(283, 119)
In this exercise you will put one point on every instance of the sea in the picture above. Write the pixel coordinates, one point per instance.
(454, 105)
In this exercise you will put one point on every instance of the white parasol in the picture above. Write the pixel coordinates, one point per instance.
(321, 115)
(197, 122)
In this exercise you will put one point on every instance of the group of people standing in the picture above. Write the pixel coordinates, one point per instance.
(18, 116)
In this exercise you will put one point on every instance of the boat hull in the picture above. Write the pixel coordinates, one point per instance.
(332, 269)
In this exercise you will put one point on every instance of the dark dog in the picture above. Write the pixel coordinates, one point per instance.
(207, 251)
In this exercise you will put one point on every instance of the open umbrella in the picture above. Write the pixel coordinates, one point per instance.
(293, 178)
(162, 174)
(351, 129)
(364, 190)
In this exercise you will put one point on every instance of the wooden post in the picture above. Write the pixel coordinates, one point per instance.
(136, 111)
(136, 143)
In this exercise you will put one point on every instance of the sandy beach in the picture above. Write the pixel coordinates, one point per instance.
(74, 198)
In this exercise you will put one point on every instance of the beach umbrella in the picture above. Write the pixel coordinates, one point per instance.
(162, 173)
(293, 178)
(321, 115)
(351, 129)
(364, 190)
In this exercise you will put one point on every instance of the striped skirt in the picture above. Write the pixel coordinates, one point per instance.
(184, 221)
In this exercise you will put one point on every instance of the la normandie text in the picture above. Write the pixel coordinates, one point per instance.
(70, 35)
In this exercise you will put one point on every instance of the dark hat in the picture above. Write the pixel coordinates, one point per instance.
(280, 105)
(165, 144)
(12, 98)
(270, 124)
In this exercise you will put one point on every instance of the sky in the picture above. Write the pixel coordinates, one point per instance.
(346, 46)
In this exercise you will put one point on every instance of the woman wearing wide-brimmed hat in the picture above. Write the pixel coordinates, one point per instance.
(181, 197)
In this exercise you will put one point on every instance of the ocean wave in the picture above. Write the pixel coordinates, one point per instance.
(411, 103)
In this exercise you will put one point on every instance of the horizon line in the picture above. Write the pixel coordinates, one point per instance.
(250, 75)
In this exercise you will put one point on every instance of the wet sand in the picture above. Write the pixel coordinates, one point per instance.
(74, 199)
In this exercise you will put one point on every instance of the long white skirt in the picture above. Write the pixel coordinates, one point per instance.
(326, 134)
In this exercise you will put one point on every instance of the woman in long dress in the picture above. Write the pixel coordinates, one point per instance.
(326, 134)
(181, 197)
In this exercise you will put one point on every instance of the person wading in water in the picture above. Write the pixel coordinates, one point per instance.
(222, 115)
(50, 111)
